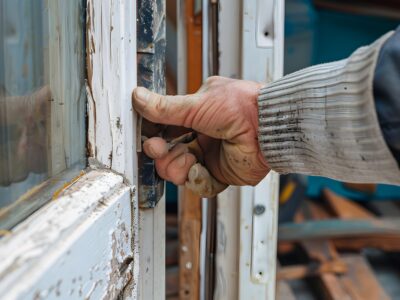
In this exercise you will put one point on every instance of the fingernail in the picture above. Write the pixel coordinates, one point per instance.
(141, 95)
(181, 162)
(193, 173)
(151, 151)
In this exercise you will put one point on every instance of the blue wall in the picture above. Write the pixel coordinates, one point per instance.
(314, 36)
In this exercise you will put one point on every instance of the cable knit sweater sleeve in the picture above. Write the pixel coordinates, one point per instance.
(322, 121)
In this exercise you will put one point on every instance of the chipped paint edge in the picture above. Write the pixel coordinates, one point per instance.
(33, 246)
(111, 147)
(111, 57)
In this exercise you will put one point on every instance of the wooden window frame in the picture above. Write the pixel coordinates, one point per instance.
(86, 243)
(57, 252)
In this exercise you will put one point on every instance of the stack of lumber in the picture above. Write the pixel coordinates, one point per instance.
(324, 249)
(325, 253)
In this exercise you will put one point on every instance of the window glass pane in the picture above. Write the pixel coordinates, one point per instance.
(42, 101)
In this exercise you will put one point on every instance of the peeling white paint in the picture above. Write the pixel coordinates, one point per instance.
(111, 63)
(111, 36)
(84, 245)
(73, 247)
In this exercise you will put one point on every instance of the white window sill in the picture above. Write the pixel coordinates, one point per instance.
(77, 246)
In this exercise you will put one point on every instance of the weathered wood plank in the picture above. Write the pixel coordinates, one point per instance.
(345, 238)
(360, 281)
(325, 260)
(333, 228)
(331, 288)
(340, 276)
(390, 243)
(323, 252)
(344, 208)
(310, 270)
(189, 240)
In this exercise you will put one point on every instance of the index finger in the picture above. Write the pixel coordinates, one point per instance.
(169, 110)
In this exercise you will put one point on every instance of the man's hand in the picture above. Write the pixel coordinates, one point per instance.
(224, 113)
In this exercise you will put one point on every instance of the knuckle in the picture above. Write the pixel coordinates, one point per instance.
(213, 79)
(160, 104)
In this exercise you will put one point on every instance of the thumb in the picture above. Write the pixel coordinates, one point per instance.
(168, 110)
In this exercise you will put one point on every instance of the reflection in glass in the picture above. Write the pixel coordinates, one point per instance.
(42, 99)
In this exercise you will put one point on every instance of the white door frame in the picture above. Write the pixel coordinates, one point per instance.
(247, 216)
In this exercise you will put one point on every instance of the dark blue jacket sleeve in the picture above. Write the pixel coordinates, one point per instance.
(387, 92)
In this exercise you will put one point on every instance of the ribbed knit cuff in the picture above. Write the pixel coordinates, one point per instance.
(322, 121)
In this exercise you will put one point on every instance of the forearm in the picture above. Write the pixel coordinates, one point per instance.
(322, 121)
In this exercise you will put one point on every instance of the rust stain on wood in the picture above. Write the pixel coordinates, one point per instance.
(67, 185)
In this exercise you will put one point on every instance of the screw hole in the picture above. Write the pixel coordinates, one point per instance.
(260, 273)
(266, 33)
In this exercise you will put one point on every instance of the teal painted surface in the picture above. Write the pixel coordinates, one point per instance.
(314, 36)
(172, 193)
(383, 192)
(339, 34)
